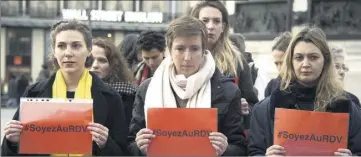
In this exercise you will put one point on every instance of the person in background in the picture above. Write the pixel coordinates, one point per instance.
(152, 49)
(22, 82)
(308, 82)
(259, 77)
(339, 56)
(112, 68)
(12, 93)
(278, 52)
(228, 58)
(189, 78)
(44, 73)
(71, 46)
(129, 50)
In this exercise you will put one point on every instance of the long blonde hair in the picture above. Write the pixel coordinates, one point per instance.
(329, 87)
(226, 55)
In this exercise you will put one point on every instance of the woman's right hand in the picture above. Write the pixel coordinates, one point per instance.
(143, 139)
(12, 131)
(276, 150)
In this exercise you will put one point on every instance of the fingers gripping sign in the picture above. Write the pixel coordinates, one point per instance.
(12, 131)
(219, 142)
(99, 134)
(143, 139)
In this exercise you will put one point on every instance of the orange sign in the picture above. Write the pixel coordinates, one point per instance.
(55, 127)
(309, 133)
(182, 131)
(18, 60)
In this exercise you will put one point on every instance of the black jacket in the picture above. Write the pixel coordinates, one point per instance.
(225, 96)
(108, 111)
(245, 84)
(262, 120)
(272, 85)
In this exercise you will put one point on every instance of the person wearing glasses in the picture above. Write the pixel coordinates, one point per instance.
(339, 55)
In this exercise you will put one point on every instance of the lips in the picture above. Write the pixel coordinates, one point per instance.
(211, 35)
(68, 62)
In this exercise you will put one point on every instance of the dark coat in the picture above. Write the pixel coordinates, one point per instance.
(127, 92)
(272, 85)
(262, 120)
(225, 96)
(245, 84)
(108, 111)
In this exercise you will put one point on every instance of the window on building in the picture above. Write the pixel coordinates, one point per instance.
(71, 4)
(118, 5)
(19, 41)
(18, 50)
(44, 9)
(11, 8)
(103, 34)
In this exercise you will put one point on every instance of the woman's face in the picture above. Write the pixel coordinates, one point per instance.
(307, 63)
(278, 58)
(70, 51)
(212, 18)
(100, 65)
(187, 54)
(341, 67)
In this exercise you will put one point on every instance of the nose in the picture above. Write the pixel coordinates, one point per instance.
(151, 61)
(306, 63)
(210, 25)
(95, 65)
(187, 55)
(68, 52)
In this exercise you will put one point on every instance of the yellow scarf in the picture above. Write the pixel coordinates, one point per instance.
(83, 91)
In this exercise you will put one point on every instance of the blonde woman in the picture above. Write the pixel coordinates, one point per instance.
(228, 58)
(308, 82)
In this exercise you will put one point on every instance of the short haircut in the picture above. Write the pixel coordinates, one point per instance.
(148, 40)
(187, 26)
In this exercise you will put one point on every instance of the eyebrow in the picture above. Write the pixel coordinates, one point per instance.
(69, 42)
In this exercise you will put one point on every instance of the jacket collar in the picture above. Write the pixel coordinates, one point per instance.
(284, 99)
(47, 85)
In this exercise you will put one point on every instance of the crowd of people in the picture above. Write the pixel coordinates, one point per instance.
(196, 64)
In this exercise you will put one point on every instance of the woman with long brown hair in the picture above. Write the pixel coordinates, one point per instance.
(113, 69)
(228, 58)
(71, 46)
(308, 82)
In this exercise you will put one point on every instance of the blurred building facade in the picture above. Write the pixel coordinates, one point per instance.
(25, 25)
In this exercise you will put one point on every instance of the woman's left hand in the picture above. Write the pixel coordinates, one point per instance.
(99, 133)
(219, 142)
(343, 152)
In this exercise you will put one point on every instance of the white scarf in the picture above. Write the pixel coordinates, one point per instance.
(195, 88)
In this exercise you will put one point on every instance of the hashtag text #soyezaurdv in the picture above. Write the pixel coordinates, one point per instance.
(58, 128)
(309, 137)
(184, 133)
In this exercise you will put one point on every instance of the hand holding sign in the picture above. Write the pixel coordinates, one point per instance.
(12, 131)
(275, 150)
(143, 139)
(219, 142)
(343, 152)
(99, 133)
